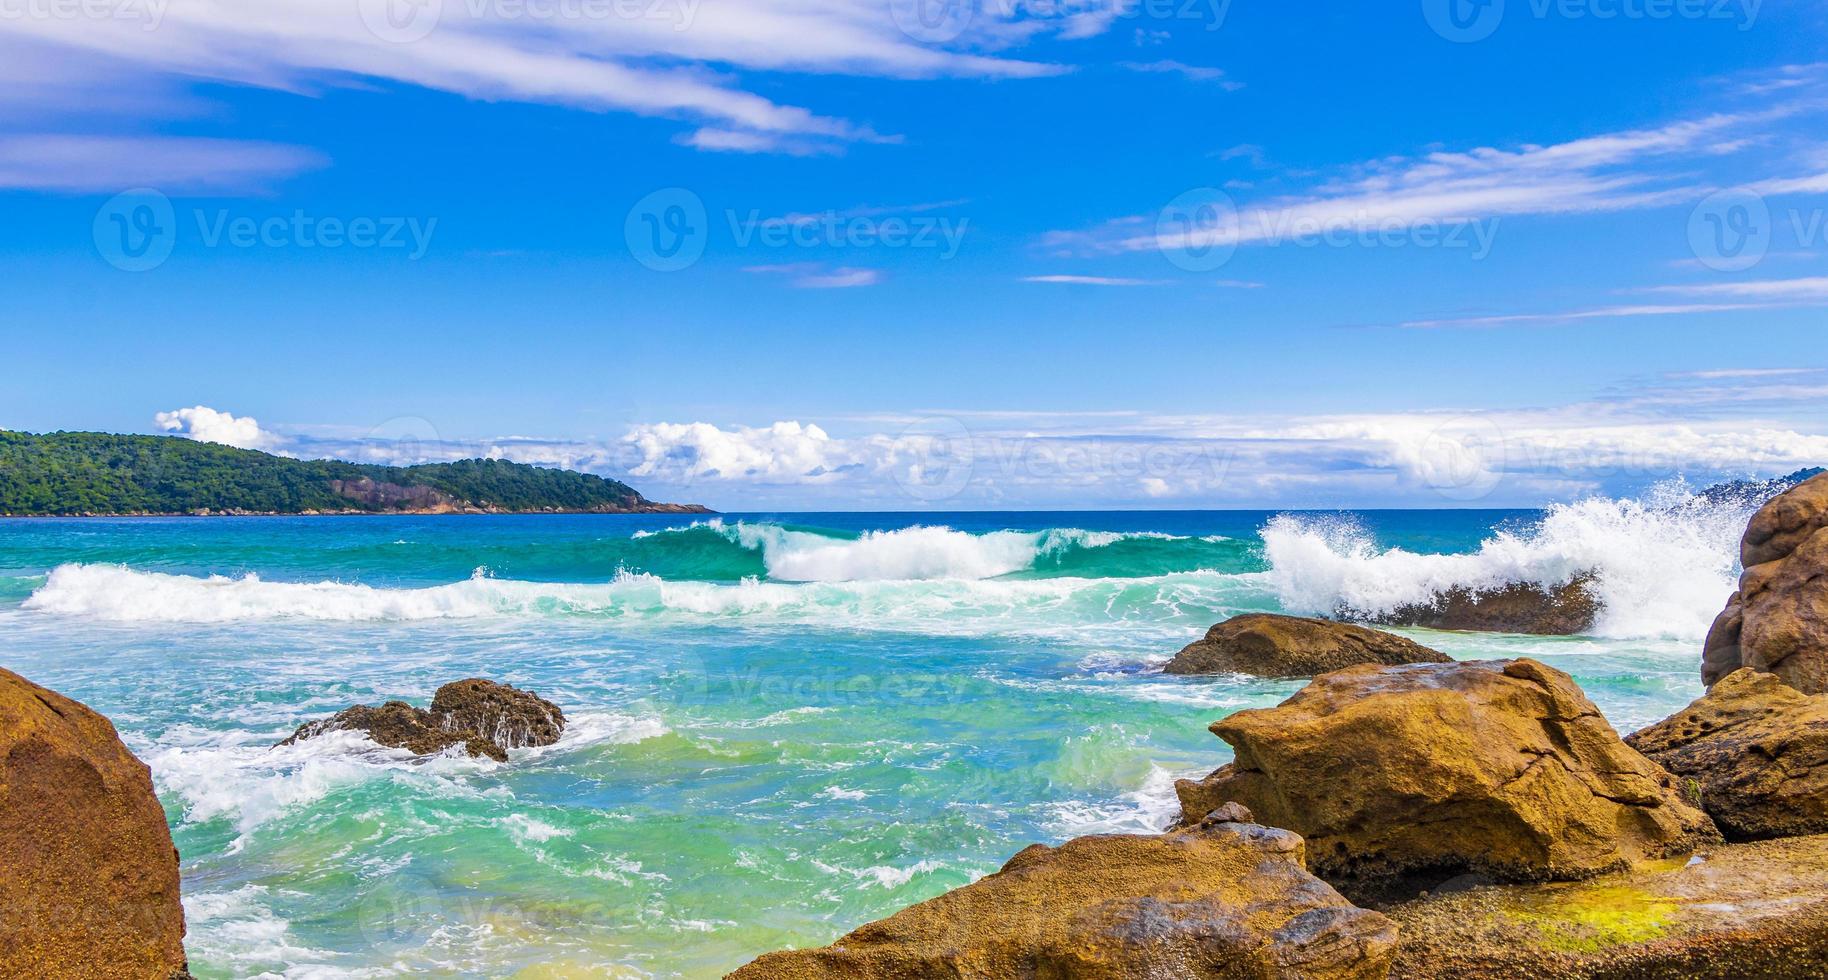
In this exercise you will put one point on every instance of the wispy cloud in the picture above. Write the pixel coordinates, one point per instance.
(1608, 172)
(1728, 374)
(669, 60)
(1094, 280)
(816, 275)
(1195, 73)
(1808, 288)
(78, 164)
(1570, 316)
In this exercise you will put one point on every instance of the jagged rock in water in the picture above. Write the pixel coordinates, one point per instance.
(1269, 645)
(89, 878)
(1521, 607)
(503, 715)
(482, 716)
(1755, 751)
(1224, 900)
(1778, 620)
(1405, 776)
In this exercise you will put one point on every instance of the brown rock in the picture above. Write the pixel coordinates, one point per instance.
(1778, 620)
(88, 873)
(504, 715)
(1746, 912)
(1522, 607)
(1755, 751)
(484, 717)
(1268, 645)
(1398, 776)
(1228, 901)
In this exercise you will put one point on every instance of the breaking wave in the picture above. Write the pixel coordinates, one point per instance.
(1661, 566)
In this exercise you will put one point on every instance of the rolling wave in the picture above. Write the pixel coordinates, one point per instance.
(944, 606)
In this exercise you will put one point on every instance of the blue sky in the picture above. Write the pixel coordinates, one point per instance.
(1153, 253)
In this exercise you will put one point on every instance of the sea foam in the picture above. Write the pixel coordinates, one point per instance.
(1661, 566)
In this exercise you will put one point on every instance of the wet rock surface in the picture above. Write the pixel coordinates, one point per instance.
(483, 717)
(1742, 912)
(1269, 645)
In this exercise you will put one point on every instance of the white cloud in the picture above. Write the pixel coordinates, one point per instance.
(1608, 172)
(208, 425)
(1596, 313)
(785, 452)
(1093, 280)
(1811, 288)
(76, 164)
(670, 58)
(814, 275)
(1195, 73)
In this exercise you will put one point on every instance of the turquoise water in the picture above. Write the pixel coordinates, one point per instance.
(782, 726)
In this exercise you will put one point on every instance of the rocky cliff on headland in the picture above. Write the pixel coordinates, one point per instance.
(88, 873)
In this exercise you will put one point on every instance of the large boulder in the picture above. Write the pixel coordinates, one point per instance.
(1742, 912)
(89, 877)
(482, 717)
(1756, 752)
(1778, 620)
(1223, 900)
(1268, 645)
(1521, 607)
(1403, 775)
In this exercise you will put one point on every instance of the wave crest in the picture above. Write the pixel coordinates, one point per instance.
(1661, 566)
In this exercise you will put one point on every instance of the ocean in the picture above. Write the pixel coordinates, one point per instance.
(782, 725)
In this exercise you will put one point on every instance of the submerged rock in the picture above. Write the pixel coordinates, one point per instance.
(89, 879)
(1778, 620)
(1755, 751)
(1224, 899)
(1521, 607)
(482, 716)
(1743, 912)
(1400, 777)
(1268, 645)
